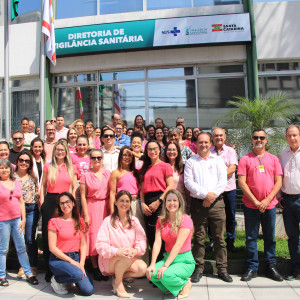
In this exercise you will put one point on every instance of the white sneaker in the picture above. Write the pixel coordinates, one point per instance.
(58, 288)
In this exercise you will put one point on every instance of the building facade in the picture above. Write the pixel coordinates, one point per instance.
(192, 79)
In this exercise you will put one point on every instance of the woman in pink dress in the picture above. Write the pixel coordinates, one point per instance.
(120, 242)
(94, 191)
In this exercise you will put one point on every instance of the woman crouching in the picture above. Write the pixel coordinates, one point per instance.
(120, 243)
(175, 228)
(67, 244)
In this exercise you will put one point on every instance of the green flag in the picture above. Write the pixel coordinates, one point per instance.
(14, 9)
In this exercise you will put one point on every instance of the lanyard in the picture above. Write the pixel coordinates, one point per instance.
(260, 160)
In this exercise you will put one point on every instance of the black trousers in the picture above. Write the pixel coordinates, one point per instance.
(150, 221)
(47, 210)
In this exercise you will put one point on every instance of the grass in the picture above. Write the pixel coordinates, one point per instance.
(282, 250)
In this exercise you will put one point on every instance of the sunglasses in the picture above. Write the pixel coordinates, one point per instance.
(96, 158)
(108, 135)
(21, 160)
(255, 138)
(16, 139)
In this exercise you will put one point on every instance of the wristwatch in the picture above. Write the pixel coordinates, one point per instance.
(160, 200)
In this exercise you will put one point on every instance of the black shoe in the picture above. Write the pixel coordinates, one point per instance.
(98, 275)
(197, 275)
(48, 276)
(225, 277)
(209, 246)
(294, 275)
(230, 246)
(272, 273)
(248, 275)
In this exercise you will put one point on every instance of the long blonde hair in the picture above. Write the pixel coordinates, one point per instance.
(53, 168)
(164, 217)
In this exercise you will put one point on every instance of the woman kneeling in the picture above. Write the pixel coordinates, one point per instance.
(120, 242)
(172, 273)
(67, 243)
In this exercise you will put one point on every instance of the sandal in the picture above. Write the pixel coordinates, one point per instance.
(4, 282)
(32, 280)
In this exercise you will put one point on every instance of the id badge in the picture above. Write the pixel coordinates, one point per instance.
(261, 168)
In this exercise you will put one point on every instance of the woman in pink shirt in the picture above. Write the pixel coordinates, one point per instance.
(12, 221)
(175, 228)
(67, 243)
(71, 138)
(58, 176)
(156, 177)
(94, 190)
(120, 242)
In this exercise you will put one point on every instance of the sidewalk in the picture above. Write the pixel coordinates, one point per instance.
(209, 288)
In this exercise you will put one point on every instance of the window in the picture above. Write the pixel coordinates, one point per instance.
(76, 8)
(120, 6)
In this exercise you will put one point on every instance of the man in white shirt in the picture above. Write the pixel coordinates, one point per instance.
(205, 176)
(290, 192)
(111, 153)
(61, 131)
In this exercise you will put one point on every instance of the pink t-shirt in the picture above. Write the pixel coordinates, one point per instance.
(129, 183)
(82, 164)
(72, 150)
(67, 241)
(95, 188)
(63, 180)
(260, 183)
(10, 208)
(171, 237)
(155, 177)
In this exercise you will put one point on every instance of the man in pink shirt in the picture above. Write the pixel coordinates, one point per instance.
(260, 178)
(115, 119)
(229, 156)
(61, 131)
(290, 192)
(49, 141)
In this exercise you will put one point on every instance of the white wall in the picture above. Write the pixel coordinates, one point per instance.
(24, 49)
(277, 29)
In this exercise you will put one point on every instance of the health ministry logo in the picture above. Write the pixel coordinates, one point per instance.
(195, 30)
(173, 31)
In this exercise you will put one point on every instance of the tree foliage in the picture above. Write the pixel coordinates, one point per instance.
(272, 113)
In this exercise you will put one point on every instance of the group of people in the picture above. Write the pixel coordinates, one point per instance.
(110, 194)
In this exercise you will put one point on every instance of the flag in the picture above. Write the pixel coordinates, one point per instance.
(79, 97)
(14, 9)
(48, 30)
(117, 99)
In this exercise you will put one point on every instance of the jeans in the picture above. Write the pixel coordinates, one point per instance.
(7, 229)
(32, 218)
(64, 272)
(253, 218)
(291, 219)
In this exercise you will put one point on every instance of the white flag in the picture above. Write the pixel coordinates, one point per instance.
(48, 30)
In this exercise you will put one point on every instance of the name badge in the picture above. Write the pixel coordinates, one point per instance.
(261, 168)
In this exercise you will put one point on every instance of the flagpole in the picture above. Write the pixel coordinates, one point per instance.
(6, 69)
(42, 86)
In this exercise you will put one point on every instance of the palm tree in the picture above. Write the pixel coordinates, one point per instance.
(272, 113)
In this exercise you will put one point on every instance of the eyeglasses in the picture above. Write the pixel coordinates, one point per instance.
(68, 202)
(153, 149)
(127, 155)
(21, 160)
(49, 130)
(172, 150)
(108, 136)
(96, 158)
(60, 150)
(117, 128)
(16, 139)
(255, 138)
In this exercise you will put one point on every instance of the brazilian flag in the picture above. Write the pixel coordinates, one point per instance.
(14, 9)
